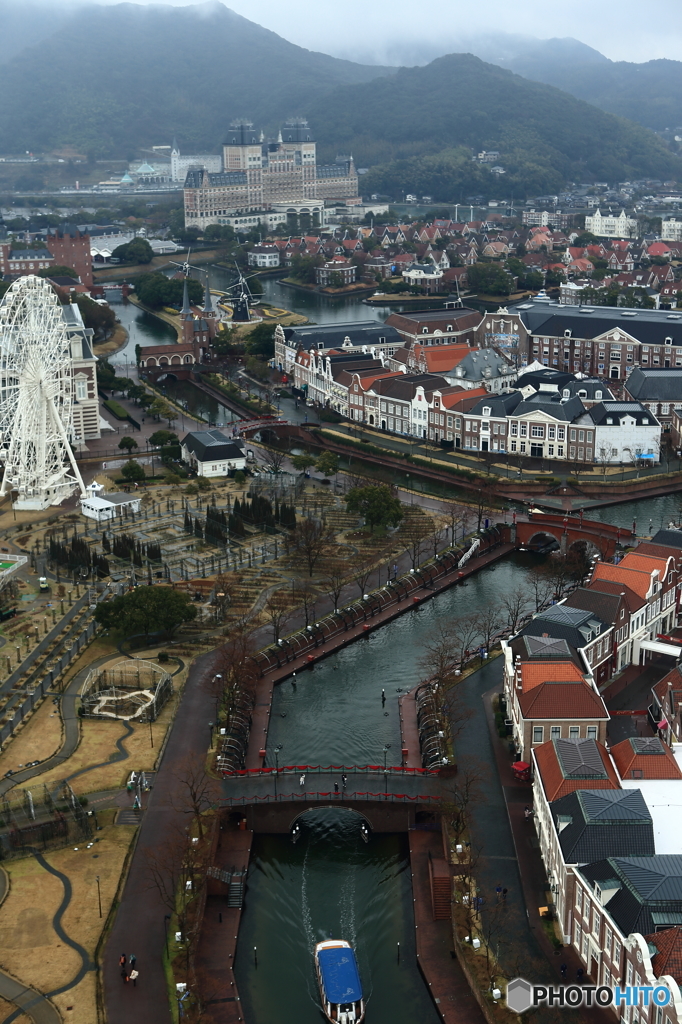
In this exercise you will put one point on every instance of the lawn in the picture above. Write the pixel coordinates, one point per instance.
(29, 947)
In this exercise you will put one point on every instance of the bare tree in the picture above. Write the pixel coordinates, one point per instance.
(196, 791)
(311, 539)
(488, 623)
(362, 568)
(274, 458)
(225, 586)
(540, 587)
(514, 604)
(335, 579)
(465, 635)
(306, 596)
(176, 869)
(482, 506)
(440, 526)
(277, 613)
(456, 516)
(414, 533)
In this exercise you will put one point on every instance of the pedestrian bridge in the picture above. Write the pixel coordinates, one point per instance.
(568, 530)
(388, 799)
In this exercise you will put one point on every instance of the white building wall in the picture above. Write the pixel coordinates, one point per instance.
(626, 440)
(671, 230)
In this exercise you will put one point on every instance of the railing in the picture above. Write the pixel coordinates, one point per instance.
(332, 769)
(391, 594)
(284, 798)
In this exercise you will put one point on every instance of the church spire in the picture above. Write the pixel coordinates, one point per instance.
(186, 310)
(208, 302)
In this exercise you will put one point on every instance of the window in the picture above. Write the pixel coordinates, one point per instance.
(592, 732)
(574, 732)
(573, 435)
(555, 732)
(608, 936)
(578, 936)
(585, 946)
(596, 923)
(538, 733)
(571, 451)
(537, 431)
(579, 898)
(524, 430)
(81, 390)
(616, 954)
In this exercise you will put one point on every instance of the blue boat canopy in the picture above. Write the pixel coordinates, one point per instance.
(340, 975)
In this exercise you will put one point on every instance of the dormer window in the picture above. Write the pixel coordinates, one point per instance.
(567, 332)
(597, 394)
(486, 410)
(566, 393)
(425, 330)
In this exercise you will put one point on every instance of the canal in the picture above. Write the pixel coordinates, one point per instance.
(331, 881)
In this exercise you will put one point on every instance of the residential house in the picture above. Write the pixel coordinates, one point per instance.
(212, 453)
(640, 758)
(624, 432)
(445, 415)
(584, 630)
(436, 326)
(362, 336)
(264, 256)
(658, 388)
(335, 273)
(666, 708)
(425, 276)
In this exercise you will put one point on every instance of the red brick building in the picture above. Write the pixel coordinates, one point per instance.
(71, 249)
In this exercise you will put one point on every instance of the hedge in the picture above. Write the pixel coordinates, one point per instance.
(115, 409)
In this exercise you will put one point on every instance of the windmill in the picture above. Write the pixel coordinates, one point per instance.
(36, 395)
(242, 298)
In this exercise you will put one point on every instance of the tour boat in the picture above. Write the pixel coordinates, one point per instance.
(340, 988)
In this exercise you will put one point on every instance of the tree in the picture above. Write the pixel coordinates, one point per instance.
(277, 613)
(98, 318)
(137, 251)
(260, 342)
(196, 791)
(306, 596)
(328, 464)
(488, 623)
(413, 533)
(133, 471)
(274, 459)
(583, 239)
(515, 604)
(156, 290)
(156, 609)
(376, 504)
(489, 278)
(303, 461)
(362, 568)
(540, 587)
(127, 443)
(163, 411)
(456, 515)
(311, 538)
(482, 507)
(464, 633)
(335, 579)
(58, 271)
(162, 437)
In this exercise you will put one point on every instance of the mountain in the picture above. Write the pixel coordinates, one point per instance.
(28, 23)
(426, 121)
(113, 79)
(650, 93)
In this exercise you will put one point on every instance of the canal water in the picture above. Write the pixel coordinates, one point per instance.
(330, 881)
(330, 884)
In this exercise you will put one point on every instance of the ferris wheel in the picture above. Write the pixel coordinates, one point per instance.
(36, 395)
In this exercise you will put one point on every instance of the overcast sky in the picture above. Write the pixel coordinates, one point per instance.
(628, 30)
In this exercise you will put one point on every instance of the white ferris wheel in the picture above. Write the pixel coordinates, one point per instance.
(35, 398)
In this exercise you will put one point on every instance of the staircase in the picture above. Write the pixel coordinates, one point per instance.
(235, 897)
(441, 888)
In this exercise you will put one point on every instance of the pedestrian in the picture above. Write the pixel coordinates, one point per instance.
(122, 960)
(563, 970)
(504, 895)
(395, 569)
(336, 787)
(343, 781)
(526, 813)
(132, 960)
(579, 975)
(124, 974)
(301, 781)
(134, 975)
(383, 696)
(498, 892)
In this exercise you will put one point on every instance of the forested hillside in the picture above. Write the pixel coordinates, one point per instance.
(418, 126)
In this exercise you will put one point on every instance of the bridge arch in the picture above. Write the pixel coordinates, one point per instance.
(543, 540)
(331, 807)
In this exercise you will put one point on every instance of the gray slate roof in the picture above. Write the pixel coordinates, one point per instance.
(597, 823)
(575, 625)
(500, 405)
(550, 319)
(363, 332)
(195, 177)
(649, 896)
(668, 538)
(566, 409)
(663, 385)
(213, 444)
(580, 759)
(484, 364)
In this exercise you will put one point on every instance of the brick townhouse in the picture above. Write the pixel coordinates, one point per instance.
(436, 326)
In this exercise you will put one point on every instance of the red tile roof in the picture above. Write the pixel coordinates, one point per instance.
(655, 761)
(562, 701)
(645, 562)
(535, 673)
(633, 578)
(668, 959)
(556, 785)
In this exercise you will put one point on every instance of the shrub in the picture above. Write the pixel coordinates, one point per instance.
(203, 484)
(191, 489)
(240, 477)
(115, 409)
(164, 656)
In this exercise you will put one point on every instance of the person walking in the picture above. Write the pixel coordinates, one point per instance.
(336, 787)
(383, 696)
(563, 970)
(124, 974)
(134, 975)
(579, 974)
(498, 892)
(344, 780)
(132, 960)
(301, 781)
(504, 895)
(527, 813)
(122, 960)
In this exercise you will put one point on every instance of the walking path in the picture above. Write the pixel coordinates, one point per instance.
(447, 984)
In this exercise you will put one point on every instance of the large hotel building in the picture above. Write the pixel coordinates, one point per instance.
(262, 175)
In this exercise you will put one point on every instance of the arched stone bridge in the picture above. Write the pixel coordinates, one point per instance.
(567, 531)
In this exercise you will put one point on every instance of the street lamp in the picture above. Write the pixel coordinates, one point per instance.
(386, 749)
(210, 728)
(99, 896)
(277, 750)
